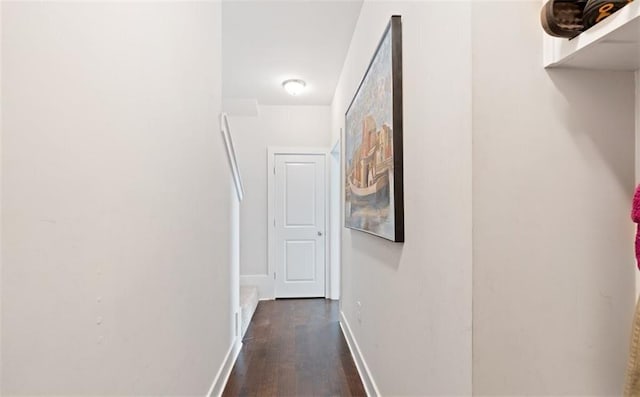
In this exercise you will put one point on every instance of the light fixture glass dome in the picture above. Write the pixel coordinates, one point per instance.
(294, 86)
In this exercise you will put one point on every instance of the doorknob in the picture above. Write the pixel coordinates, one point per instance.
(319, 233)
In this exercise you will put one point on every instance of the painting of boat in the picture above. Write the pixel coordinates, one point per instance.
(373, 145)
(372, 161)
(376, 193)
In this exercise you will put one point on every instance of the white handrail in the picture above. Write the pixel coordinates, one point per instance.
(231, 154)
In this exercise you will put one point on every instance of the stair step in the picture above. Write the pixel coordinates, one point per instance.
(248, 305)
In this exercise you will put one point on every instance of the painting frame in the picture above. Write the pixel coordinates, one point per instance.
(356, 189)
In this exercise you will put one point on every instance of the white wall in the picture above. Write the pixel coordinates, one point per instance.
(414, 330)
(116, 200)
(637, 154)
(637, 113)
(553, 176)
(1, 102)
(284, 126)
(235, 264)
(335, 218)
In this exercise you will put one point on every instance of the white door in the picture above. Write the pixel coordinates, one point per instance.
(299, 225)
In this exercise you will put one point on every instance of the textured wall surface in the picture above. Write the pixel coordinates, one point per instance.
(414, 324)
(116, 199)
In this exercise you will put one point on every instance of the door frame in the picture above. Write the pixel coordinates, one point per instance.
(335, 220)
(272, 152)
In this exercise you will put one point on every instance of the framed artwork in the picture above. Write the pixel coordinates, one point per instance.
(231, 155)
(373, 143)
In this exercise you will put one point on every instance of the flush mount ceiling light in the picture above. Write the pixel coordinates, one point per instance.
(294, 86)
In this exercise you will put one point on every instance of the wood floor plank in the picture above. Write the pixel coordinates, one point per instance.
(294, 347)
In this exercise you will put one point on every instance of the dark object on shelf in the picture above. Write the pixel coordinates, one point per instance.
(563, 18)
(597, 10)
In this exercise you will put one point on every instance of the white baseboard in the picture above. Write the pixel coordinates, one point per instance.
(266, 286)
(220, 381)
(365, 375)
(263, 282)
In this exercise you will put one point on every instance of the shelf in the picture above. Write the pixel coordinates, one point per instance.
(613, 44)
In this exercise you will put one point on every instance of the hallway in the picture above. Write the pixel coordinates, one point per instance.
(295, 348)
(456, 182)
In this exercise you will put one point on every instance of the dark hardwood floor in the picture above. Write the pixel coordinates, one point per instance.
(294, 347)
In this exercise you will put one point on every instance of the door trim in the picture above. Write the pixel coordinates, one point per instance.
(335, 230)
(272, 151)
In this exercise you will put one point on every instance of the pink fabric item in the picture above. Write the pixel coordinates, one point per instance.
(635, 216)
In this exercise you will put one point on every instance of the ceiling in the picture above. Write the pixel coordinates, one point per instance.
(267, 42)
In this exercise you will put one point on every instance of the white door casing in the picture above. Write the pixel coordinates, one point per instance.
(299, 225)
